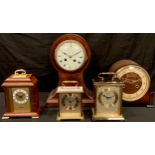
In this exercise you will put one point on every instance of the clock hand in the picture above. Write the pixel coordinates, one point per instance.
(20, 96)
(108, 97)
(66, 54)
(75, 54)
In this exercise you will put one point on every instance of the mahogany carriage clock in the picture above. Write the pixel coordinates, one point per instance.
(21, 95)
(70, 55)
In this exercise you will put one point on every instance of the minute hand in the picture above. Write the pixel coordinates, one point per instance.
(75, 54)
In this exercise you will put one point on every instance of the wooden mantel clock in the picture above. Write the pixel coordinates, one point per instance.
(21, 95)
(136, 80)
(70, 55)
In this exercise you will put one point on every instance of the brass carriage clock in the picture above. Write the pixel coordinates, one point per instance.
(70, 56)
(21, 95)
(70, 102)
(136, 80)
(108, 97)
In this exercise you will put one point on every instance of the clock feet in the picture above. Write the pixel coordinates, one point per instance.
(35, 117)
(4, 117)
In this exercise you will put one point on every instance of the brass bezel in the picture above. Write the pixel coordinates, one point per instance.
(147, 82)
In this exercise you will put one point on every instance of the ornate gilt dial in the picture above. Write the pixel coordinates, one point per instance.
(107, 97)
(70, 55)
(70, 101)
(136, 80)
(20, 96)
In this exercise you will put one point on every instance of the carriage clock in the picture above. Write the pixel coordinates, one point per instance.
(136, 80)
(108, 97)
(70, 101)
(21, 95)
(70, 55)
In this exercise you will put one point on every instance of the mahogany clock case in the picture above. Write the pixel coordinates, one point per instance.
(21, 96)
(66, 53)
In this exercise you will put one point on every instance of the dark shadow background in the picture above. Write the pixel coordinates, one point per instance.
(30, 51)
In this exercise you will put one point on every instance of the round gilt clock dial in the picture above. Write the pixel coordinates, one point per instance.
(136, 80)
(20, 96)
(108, 98)
(70, 55)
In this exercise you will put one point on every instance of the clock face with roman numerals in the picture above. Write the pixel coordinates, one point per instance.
(70, 55)
(20, 96)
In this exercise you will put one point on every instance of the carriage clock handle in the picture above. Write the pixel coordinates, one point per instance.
(101, 75)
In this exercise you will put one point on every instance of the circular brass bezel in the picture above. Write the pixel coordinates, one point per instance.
(135, 69)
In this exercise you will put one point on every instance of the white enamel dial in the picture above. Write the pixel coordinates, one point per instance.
(20, 96)
(70, 55)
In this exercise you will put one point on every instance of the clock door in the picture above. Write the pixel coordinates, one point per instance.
(20, 100)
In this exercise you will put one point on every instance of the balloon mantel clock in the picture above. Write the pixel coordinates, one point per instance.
(70, 55)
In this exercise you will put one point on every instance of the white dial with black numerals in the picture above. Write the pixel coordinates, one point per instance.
(20, 96)
(70, 55)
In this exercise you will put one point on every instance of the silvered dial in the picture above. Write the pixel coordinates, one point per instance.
(107, 98)
(70, 55)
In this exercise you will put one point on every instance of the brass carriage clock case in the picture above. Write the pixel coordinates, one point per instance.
(108, 98)
(70, 103)
(21, 95)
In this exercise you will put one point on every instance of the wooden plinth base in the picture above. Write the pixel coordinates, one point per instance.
(106, 117)
(8, 115)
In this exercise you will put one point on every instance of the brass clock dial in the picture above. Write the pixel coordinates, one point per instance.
(107, 97)
(136, 80)
(70, 101)
(20, 96)
(20, 99)
(70, 55)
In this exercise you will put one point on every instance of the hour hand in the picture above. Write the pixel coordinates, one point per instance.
(65, 54)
